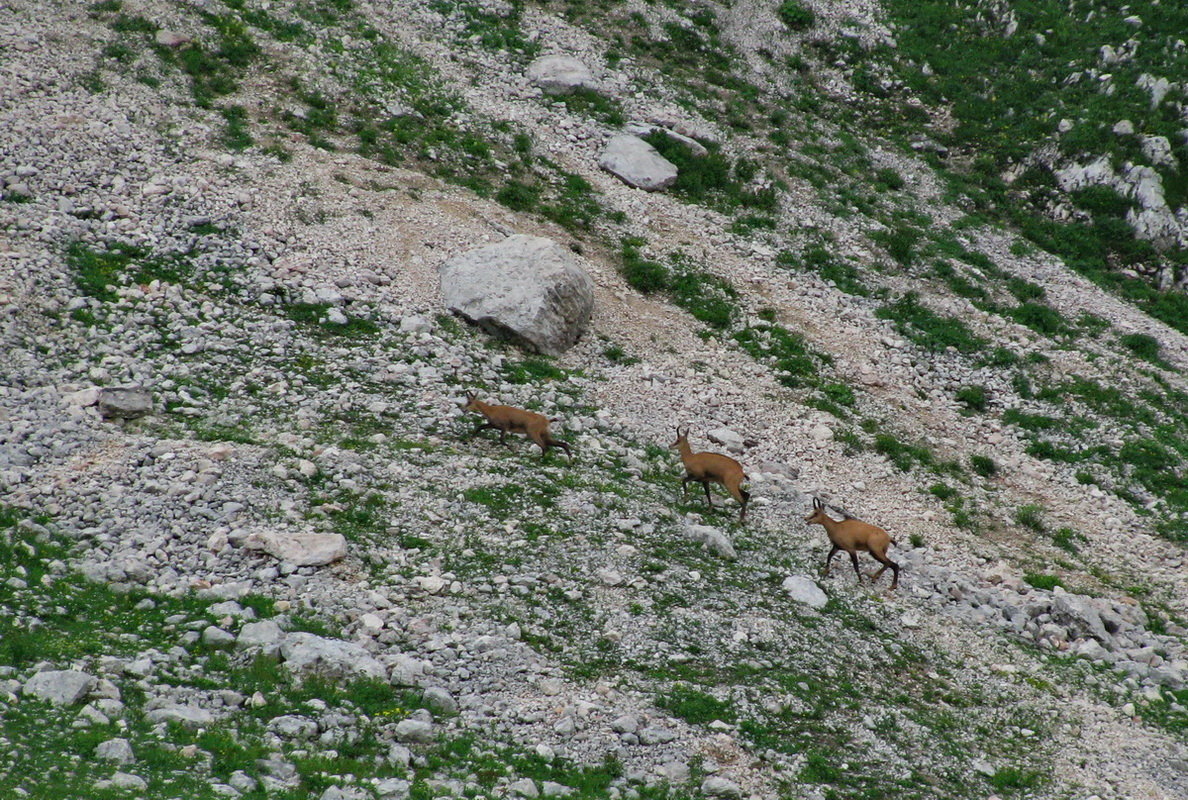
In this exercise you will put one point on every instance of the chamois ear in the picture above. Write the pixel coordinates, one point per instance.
(817, 504)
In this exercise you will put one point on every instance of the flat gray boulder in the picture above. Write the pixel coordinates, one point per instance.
(265, 635)
(805, 590)
(62, 687)
(637, 163)
(189, 717)
(125, 402)
(526, 288)
(560, 75)
(299, 549)
(713, 539)
(117, 750)
(334, 658)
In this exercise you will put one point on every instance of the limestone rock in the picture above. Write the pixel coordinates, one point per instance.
(189, 717)
(560, 75)
(527, 288)
(299, 549)
(637, 163)
(715, 786)
(125, 402)
(306, 652)
(264, 634)
(414, 731)
(805, 590)
(62, 687)
(727, 438)
(117, 750)
(714, 540)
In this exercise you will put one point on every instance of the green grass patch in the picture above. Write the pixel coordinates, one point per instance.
(98, 271)
(929, 329)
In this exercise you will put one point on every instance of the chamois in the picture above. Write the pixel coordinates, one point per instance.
(707, 468)
(516, 420)
(853, 535)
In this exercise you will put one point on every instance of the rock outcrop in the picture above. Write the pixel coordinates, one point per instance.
(526, 288)
(637, 163)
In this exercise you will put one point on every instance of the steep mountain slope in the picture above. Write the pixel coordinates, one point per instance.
(241, 207)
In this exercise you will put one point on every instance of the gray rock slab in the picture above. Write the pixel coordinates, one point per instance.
(306, 652)
(117, 750)
(526, 288)
(637, 163)
(414, 731)
(713, 539)
(299, 549)
(560, 75)
(125, 402)
(62, 687)
(189, 717)
(715, 786)
(265, 635)
(805, 590)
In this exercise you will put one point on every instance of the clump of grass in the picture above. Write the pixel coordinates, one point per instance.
(595, 104)
(904, 456)
(1031, 516)
(532, 371)
(1142, 345)
(983, 465)
(900, 242)
(787, 352)
(236, 136)
(796, 15)
(1066, 539)
(695, 706)
(96, 270)
(713, 179)
(707, 297)
(974, 398)
(818, 259)
(927, 328)
(314, 315)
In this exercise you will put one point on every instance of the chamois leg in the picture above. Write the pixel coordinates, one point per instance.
(854, 561)
(744, 498)
(549, 441)
(886, 562)
(483, 427)
(709, 498)
(829, 560)
(685, 485)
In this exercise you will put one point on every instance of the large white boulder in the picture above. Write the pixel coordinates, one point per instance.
(560, 75)
(62, 687)
(637, 163)
(306, 652)
(805, 590)
(300, 549)
(527, 288)
(125, 402)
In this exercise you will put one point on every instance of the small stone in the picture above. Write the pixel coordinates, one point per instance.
(63, 687)
(715, 786)
(440, 701)
(117, 750)
(525, 787)
(125, 402)
(414, 731)
(805, 590)
(167, 38)
(217, 637)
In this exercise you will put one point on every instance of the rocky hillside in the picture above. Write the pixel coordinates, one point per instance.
(253, 547)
